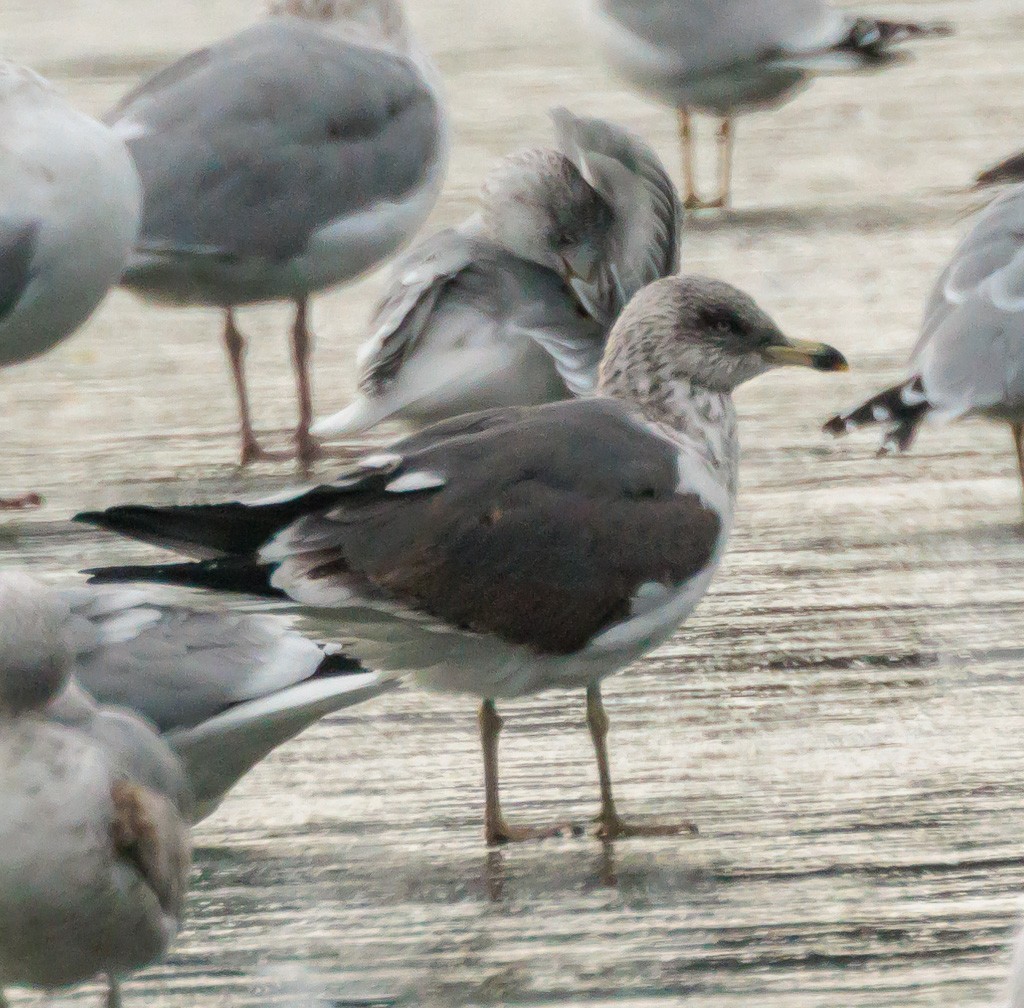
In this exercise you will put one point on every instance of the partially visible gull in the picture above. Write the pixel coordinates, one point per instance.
(969, 358)
(727, 57)
(1008, 172)
(517, 550)
(224, 689)
(513, 307)
(95, 863)
(69, 214)
(1016, 986)
(291, 157)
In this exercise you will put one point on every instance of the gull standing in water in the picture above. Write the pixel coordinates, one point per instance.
(95, 864)
(291, 157)
(969, 358)
(69, 215)
(727, 57)
(517, 550)
(513, 307)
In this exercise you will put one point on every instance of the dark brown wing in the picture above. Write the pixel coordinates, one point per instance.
(539, 529)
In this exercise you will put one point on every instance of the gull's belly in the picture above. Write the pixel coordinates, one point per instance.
(444, 659)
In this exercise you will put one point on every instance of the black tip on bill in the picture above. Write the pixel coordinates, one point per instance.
(829, 359)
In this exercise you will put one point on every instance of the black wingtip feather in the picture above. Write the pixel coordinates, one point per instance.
(339, 664)
(231, 575)
(901, 408)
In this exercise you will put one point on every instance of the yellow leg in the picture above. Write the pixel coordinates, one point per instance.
(1018, 444)
(612, 825)
(690, 198)
(726, 145)
(496, 829)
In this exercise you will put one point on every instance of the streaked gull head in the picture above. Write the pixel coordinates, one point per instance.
(538, 206)
(34, 656)
(380, 21)
(695, 330)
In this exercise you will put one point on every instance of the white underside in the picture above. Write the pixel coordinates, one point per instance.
(70, 906)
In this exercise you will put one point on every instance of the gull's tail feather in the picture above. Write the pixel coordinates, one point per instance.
(357, 417)
(874, 39)
(901, 407)
(234, 575)
(218, 752)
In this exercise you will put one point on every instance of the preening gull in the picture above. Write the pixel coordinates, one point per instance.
(69, 215)
(95, 863)
(969, 358)
(224, 689)
(727, 57)
(293, 156)
(516, 550)
(513, 307)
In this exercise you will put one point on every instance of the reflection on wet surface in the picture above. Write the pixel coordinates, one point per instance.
(843, 716)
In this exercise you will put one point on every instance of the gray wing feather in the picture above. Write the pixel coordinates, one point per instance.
(632, 179)
(249, 147)
(18, 241)
(971, 350)
(177, 666)
(700, 36)
(418, 280)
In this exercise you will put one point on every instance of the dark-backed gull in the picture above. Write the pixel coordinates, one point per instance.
(516, 550)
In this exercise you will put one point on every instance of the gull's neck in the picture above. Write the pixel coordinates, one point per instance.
(701, 421)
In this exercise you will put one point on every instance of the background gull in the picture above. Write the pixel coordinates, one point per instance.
(1009, 171)
(224, 689)
(293, 156)
(727, 57)
(95, 864)
(69, 213)
(522, 549)
(969, 359)
(513, 307)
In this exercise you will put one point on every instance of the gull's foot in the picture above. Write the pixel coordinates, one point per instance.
(696, 203)
(253, 451)
(502, 833)
(309, 450)
(26, 502)
(615, 828)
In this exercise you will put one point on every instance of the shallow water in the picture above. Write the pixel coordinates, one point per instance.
(842, 718)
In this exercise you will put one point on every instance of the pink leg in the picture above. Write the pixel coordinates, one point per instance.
(234, 342)
(306, 448)
(24, 502)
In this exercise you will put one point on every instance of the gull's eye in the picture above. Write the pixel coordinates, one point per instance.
(723, 320)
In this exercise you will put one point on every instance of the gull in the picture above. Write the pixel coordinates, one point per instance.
(223, 689)
(1009, 171)
(291, 157)
(69, 214)
(95, 864)
(969, 357)
(513, 307)
(728, 57)
(522, 549)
